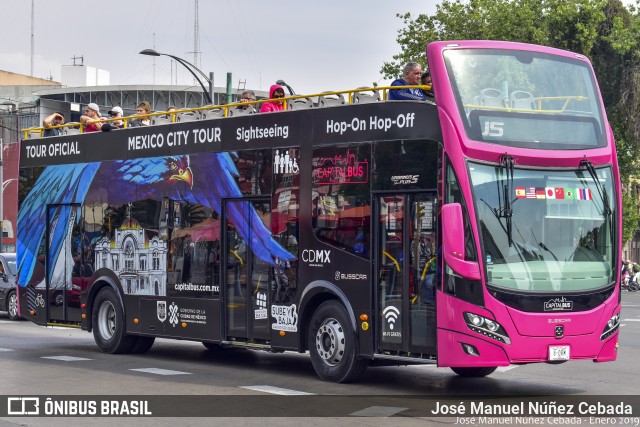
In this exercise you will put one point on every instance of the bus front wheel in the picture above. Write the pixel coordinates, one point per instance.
(333, 346)
(474, 372)
(109, 330)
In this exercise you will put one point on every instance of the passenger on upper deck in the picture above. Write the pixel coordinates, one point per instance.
(143, 108)
(91, 118)
(247, 96)
(411, 73)
(55, 119)
(116, 124)
(276, 92)
(426, 80)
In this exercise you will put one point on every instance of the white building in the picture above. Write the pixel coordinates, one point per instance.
(140, 263)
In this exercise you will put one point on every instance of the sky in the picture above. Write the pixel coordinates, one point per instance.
(313, 46)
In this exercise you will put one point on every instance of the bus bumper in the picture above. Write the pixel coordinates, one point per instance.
(457, 349)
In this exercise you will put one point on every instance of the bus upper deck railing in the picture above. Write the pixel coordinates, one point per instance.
(294, 102)
(298, 102)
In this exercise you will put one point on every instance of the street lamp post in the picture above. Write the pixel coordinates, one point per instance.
(192, 69)
(282, 83)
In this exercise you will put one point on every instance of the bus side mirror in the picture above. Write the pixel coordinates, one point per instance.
(453, 242)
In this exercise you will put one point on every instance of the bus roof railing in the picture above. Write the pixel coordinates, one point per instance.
(352, 96)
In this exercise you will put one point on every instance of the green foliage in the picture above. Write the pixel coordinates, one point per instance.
(630, 215)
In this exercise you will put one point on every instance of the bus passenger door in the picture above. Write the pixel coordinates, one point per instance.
(405, 264)
(247, 282)
(64, 262)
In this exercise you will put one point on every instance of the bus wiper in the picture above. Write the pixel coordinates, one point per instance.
(507, 162)
(543, 246)
(601, 190)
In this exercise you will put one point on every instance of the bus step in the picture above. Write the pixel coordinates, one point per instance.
(250, 345)
(64, 325)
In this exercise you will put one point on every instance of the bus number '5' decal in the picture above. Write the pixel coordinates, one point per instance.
(493, 129)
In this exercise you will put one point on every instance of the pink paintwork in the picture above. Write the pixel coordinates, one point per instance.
(531, 334)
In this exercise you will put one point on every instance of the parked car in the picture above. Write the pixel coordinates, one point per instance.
(8, 296)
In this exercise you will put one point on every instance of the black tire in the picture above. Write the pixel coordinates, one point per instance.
(211, 346)
(633, 287)
(142, 344)
(12, 305)
(333, 346)
(108, 324)
(474, 372)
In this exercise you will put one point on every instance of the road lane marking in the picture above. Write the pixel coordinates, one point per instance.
(506, 368)
(631, 320)
(65, 358)
(6, 349)
(159, 371)
(378, 411)
(277, 390)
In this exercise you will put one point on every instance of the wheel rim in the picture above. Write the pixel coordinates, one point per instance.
(107, 320)
(13, 305)
(330, 342)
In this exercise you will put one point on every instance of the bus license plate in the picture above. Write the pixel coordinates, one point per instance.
(559, 352)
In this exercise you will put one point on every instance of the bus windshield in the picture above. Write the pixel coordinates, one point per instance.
(545, 231)
(526, 99)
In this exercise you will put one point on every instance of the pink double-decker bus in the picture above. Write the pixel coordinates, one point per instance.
(477, 229)
(531, 216)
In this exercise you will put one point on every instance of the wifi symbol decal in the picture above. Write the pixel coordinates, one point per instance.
(391, 313)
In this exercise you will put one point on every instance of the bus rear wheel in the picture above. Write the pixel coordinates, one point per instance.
(109, 330)
(333, 346)
(142, 344)
(211, 346)
(474, 372)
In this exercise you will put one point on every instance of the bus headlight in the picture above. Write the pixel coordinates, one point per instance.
(487, 327)
(491, 325)
(612, 325)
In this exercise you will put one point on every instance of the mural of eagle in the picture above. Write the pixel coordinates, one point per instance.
(205, 178)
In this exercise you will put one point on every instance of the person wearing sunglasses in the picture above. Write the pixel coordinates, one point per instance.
(116, 112)
(247, 96)
(276, 93)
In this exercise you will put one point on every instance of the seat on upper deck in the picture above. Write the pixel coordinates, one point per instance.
(299, 104)
(161, 120)
(492, 97)
(188, 116)
(522, 100)
(211, 114)
(251, 109)
(71, 131)
(331, 100)
(33, 134)
(366, 96)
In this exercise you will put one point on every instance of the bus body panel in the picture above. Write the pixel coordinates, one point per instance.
(381, 291)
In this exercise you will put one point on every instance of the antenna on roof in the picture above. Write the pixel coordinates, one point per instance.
(81, 58)
(196, 36)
